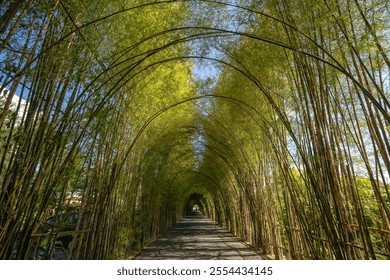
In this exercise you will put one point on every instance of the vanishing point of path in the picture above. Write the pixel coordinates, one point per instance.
(198, 238)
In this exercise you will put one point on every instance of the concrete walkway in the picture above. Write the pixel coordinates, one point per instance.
(198, 238)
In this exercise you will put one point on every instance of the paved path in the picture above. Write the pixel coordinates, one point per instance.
(197, 238)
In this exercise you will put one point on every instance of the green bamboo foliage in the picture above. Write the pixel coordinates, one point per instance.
(104, 121)
(321, 138)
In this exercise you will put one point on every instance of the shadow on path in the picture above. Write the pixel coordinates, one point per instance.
(197, 238)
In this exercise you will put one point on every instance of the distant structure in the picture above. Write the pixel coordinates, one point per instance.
(14, 104)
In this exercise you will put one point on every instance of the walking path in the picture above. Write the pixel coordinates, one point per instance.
(198, 238)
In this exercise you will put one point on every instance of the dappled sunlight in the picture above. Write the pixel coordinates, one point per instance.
(118, 119)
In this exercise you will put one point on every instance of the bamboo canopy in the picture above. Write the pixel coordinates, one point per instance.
(118, 117)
